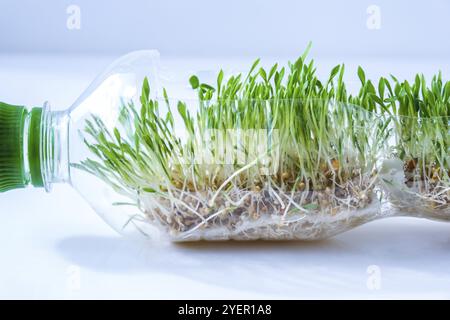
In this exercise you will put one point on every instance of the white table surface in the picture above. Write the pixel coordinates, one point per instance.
(54, 245)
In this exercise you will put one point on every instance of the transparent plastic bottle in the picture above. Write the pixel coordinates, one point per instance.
(203, 169)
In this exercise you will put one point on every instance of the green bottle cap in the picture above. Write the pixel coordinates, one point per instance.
(20, 137)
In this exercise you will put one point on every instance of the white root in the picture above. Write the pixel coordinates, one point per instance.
(235, 213)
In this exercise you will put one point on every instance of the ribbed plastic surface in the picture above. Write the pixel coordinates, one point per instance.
(12, 173)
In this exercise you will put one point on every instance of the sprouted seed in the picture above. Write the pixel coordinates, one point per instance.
(421, 115)
(272, 154)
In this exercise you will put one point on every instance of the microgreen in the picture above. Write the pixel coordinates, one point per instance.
(317, 138)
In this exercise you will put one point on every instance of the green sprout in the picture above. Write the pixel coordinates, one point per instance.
(318, 153)
(421, 115)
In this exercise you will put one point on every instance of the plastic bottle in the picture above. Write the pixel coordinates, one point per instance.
(131, 152)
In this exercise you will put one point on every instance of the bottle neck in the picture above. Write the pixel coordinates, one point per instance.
(54, 147)
(34, 145)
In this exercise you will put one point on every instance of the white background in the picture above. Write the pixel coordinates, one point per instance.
(54, 246)
(231, 28)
